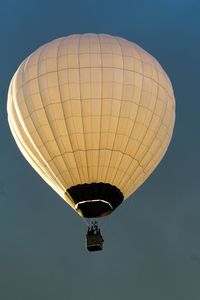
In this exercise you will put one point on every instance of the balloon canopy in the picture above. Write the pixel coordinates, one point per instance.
(93, 114)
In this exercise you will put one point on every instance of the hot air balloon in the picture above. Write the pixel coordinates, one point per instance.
(93, 114)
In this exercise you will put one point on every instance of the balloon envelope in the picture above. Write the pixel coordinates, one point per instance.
(93, 115)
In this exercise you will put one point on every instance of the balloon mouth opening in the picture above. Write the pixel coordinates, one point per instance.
(94, 208)
(92, 200)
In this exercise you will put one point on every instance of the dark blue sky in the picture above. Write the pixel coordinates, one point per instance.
(152, 242)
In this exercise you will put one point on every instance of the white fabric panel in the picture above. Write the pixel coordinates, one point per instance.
(91, 108)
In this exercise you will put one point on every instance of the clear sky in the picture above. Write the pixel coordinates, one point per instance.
(152, 242)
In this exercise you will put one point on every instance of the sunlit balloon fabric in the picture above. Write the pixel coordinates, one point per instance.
(91, 109)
